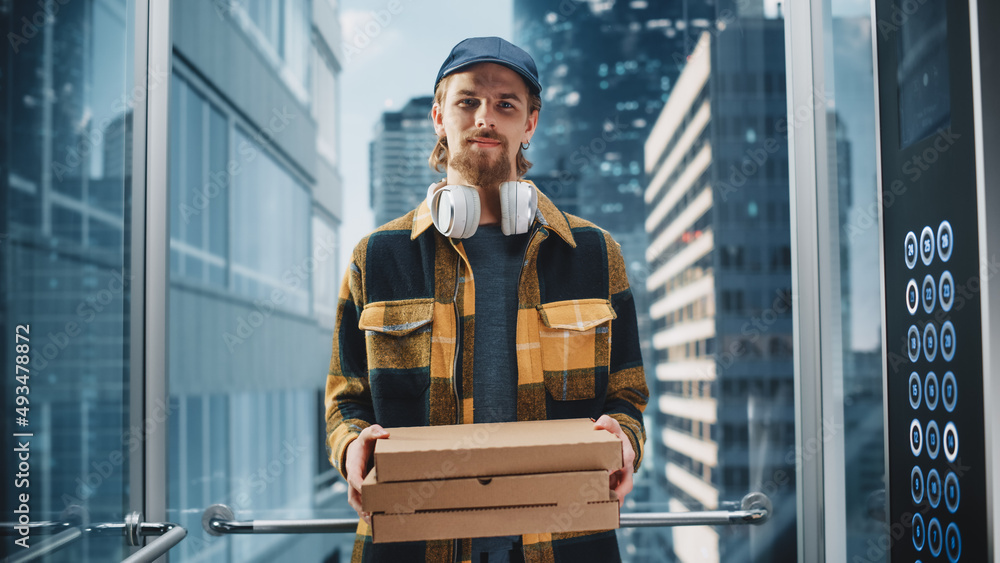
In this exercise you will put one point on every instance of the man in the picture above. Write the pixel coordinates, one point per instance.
(489, 323)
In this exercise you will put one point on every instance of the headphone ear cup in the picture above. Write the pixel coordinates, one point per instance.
(518, 206)
(468, 202)
(455, 210)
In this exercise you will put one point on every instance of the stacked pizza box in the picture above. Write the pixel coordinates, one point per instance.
(480, 480)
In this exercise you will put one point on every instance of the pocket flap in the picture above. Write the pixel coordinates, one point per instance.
(577, 314)
(396, 318)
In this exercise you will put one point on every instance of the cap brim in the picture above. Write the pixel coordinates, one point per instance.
(523, 72)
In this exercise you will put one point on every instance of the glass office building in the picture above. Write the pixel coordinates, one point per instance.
(399, 175)
(720, 288)
(253, 201)
(170, 217)
(255, 209)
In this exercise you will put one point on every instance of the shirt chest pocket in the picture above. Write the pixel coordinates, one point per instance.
(575, 343)
(398, 342)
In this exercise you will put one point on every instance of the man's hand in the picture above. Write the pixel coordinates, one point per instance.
(621, 480)
(359, 452)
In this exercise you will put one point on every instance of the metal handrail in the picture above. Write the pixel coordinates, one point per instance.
(65, 533)
(158, 547)
(219, 520)
(755, 509)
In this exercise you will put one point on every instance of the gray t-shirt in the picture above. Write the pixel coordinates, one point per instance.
(496, 265)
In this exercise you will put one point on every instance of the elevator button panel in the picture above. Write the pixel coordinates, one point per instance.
(929, 365)
(934, 271)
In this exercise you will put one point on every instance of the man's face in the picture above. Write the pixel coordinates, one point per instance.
(485, 118)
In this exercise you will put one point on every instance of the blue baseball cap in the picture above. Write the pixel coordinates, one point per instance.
(490, 50)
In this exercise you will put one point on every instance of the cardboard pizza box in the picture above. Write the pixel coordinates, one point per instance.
(504, 448)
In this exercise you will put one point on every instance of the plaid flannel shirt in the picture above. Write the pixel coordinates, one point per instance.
(404, 337)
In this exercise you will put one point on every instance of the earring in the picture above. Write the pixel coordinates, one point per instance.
(524, 146)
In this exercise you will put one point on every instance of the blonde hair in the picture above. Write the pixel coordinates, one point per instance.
(438, 160)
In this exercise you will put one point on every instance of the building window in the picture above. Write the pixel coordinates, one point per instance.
(324, 271)
(280, 30)
(270, 229)
(198, 187)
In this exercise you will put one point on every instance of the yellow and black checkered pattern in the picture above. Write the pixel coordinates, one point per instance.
(404, 339)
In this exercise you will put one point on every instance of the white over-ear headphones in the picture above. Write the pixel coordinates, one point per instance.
(455, 210)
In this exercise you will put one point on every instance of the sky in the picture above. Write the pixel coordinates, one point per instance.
(392, 52)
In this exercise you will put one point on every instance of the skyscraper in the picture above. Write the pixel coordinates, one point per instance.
(399, 174)
(255, 209)
(719, 282)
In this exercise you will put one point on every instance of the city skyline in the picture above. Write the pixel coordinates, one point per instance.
(186, 182)
(396, 61)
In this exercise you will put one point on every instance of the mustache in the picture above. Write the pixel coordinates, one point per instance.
(484, 134)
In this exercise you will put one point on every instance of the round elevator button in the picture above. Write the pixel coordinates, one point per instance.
(912, 297)
(946, 291)
(918, 531)
(944, 241)
(933, 488)
(933, 439)
(950, 441)
(927, 246)
(953, 543)
(949, 387)
(931, 390)
(910, 250)
(928, 293)
(930, 342)
(935, 538)
(917, 484)
(915, 390)
(913, 343)
(948, 341)
(952, 492)
(916, 437)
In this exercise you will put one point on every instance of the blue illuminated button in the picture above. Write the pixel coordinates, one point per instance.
(935, 538)
(913, 343)
(950, 389)
(950, 441)
(933, 439)
(918, 531)
(915, 388)
(917, 484)
(916, 437)
(948, 341)
(912, 297)
(931, 390)
(933, 488)
(928, 293)
(944, 241)
(930, 342)
(946, 291)
(952, 492)
(927, 246)
(910, 250)
(953, 542)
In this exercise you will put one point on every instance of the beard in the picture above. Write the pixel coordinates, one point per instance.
(477, 168)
